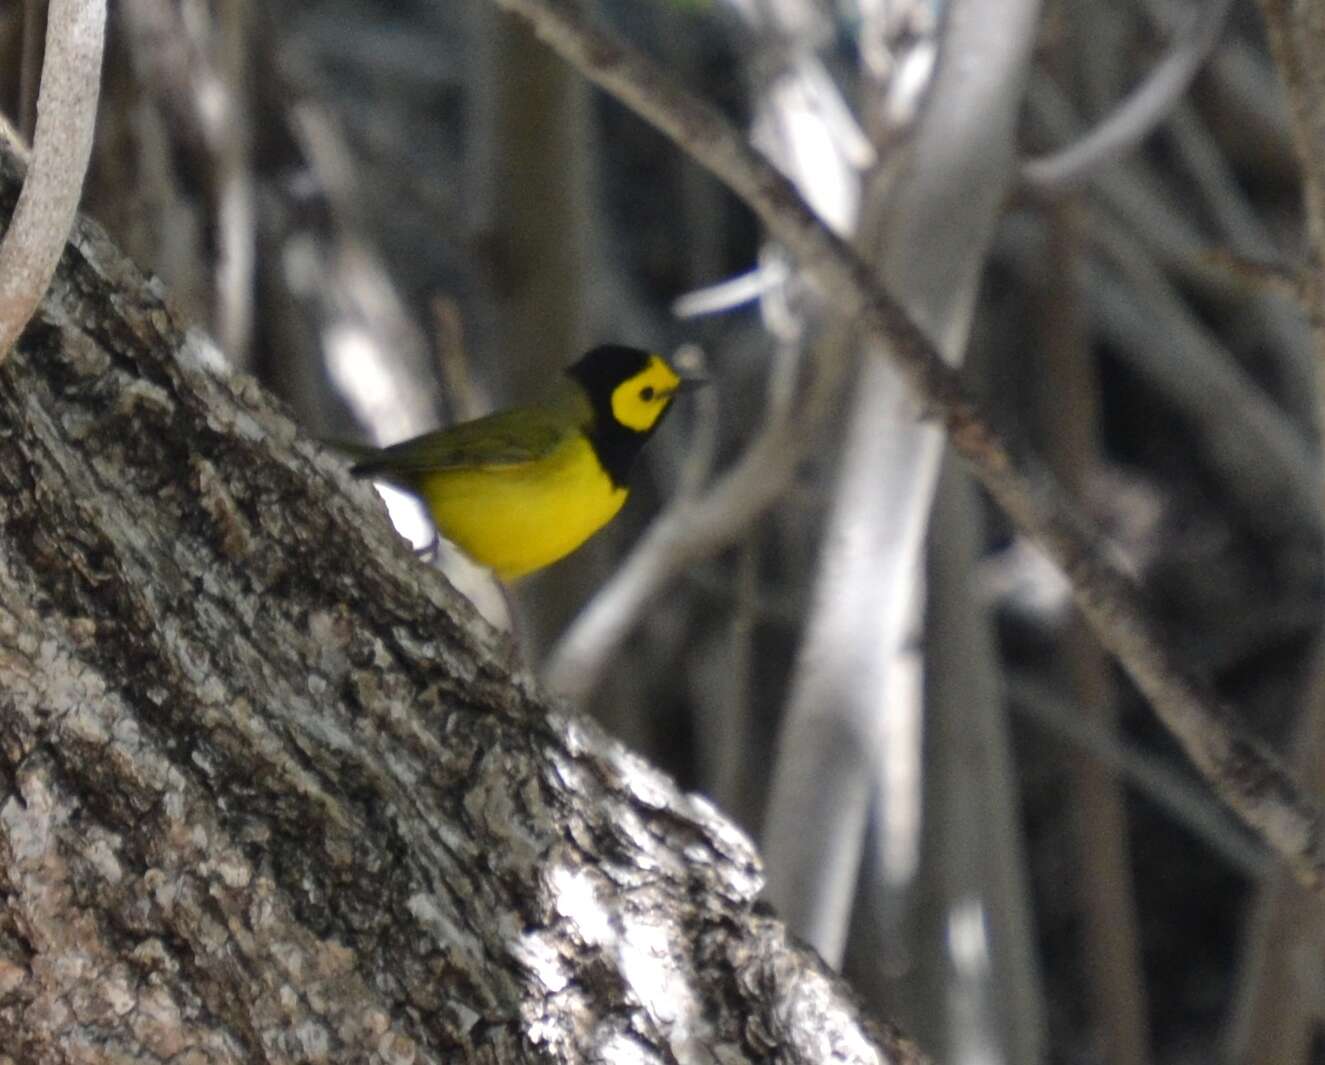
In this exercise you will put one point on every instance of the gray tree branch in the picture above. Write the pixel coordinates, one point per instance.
(61, 147)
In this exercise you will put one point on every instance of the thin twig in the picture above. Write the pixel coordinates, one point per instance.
(1245, 774)
(1137, 115)
(1154, 217)
(1263, 458)
(1277, 277)
(1130, 191)
(62, 146)
(1187, 804)
(1217, 184)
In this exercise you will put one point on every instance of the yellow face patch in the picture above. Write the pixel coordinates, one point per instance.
(639, 401)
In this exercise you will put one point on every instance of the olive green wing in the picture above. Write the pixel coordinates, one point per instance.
(508, 438)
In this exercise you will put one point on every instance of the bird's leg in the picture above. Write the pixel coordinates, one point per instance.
(519, 657)
(428, 552)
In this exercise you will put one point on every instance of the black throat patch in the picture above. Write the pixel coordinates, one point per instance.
(616, 446)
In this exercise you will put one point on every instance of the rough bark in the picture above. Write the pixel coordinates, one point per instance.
(267, 789)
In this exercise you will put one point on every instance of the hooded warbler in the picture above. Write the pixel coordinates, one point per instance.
(519, 489)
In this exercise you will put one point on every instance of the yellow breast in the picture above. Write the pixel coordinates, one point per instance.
(519, 518)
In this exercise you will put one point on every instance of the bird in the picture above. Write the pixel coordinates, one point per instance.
(519, 489)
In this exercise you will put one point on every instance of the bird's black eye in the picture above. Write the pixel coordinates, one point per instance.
(647, 393)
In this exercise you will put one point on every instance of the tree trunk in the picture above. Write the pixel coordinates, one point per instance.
(268, 791)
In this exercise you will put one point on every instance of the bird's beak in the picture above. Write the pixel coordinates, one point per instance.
(690, 382)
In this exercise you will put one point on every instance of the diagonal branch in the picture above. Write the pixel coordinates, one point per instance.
(1245, 774)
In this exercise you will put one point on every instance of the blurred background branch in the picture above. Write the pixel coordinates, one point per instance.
(1149, 104)
(66, 112)
(1247, 775)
